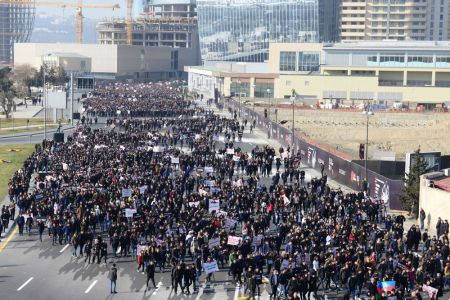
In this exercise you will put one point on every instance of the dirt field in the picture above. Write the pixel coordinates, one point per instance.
(388, 131)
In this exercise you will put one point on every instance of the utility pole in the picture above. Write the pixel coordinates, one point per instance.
(71, 98)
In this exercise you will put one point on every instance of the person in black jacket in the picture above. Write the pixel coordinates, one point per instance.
(193, 276)
(151, 273)
(20, 222)
(352, 284)
(312, 285)
(112, 276)
(87, 251)
(178, 276)
(187, 279)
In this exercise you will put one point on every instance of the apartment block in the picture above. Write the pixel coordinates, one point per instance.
(421, 20)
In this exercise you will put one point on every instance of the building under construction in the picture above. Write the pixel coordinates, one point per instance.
(161, 24)
(16, 26)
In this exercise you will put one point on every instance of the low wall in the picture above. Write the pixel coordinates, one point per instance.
(338, 168)
(435, 202)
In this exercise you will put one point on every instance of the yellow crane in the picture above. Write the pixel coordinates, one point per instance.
(79, 6)
(129, 21)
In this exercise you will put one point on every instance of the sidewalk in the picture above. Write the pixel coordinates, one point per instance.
(35, 132)
(25, 113)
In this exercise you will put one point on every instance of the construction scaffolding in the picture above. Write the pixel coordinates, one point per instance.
(16, 26)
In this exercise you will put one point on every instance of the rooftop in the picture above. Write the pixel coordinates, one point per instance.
(390, 45)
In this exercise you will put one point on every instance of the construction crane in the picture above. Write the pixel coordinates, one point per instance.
(79, 6)
(129, 21)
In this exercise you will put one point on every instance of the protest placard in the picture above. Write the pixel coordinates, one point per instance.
(284, 264)
(214, 204)
(129, 212)
(209, 170)
(234, 240)
(157, 241)
(142, 189)
(175, 160)
(230, 223)
(308, 258)
(210, 183)
(211, 267)
(195, 203)
(216, 138)
(214, 242)
(202, 192)
(221, 213)
(286, 200)
(236, 158)
(432, 292)
(230, 151)
(126, 193)
(257, 240)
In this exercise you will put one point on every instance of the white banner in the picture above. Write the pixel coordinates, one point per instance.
(195, 203)
(234, 240)
(307, 258)
(238, 183)
(284, 264)
(214, 205)
(210, 183)
(211, 267)
(286, 200)
(157, 241)
(214, 242)
(209, 170)
(230, 151)
(142, 189)
(230, 223)
(285, 154)
(129, 212)
(216, 138)
(257, 240)
(175, 160)
(126, 193)
(431, 291)
(236, 158)
(158, 149)
(202, 192)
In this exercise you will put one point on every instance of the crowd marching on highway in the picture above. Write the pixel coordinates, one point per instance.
(167, 182)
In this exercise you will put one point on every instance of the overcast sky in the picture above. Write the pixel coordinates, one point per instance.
(92, 13)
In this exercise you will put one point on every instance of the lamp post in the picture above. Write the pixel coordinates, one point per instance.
(293, 121)
(268, 95)
(254, 98)
(44, 103)
(239, 82)
(368, 112)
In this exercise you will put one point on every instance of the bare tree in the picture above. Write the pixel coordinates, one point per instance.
(7, 102)
(22, 77)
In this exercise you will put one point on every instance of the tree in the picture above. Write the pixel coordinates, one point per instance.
(22, 78)
(61, 77)
(7, 102)
(411, 191)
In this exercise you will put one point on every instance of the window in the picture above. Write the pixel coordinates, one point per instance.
(287, 61)
(288, 82)
(306, 83)
(392, 59)
(372, 61)
(309, 61)
(416, 60)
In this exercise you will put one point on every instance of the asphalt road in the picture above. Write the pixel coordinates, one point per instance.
(30, 269)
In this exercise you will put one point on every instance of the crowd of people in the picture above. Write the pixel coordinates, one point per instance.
(162, 189)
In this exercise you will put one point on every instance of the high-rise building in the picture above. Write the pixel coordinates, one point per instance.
(16, 25)
(423, 20)
(162, 23)
(241, 30)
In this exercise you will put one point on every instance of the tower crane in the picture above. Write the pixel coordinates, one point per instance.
(129, 21)
(79, 5)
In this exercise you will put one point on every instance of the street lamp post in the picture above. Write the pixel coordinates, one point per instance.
(254, 98)
(368, 112)
(239, 82)
(293, 121)
(45, 105)
(268, 95)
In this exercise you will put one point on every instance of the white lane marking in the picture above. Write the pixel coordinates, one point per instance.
(91, 286)
(236, 293)
(200, 291)
(28, 281)
(65, 247)
(157, 287)
(118, 250)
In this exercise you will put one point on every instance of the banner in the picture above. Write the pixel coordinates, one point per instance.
(126, 193)
(257, 240)
(137, 217)
(286, 200)
(129, 212)
(210, 183)
(202, 192)
(236, 158)
(209, 170)
(220, 156)
(285, 155)
(234, 240)
(214, 242)
(195, 203)
(432, 292)
(230, 223)
(221, 213)
(238, 183)
(216, 138)
(158, 149)
(140, 248)
(284, 264)
(157, 241)
(211, 267)
(142, 189)
(175, 160)
(214, 205)
(308, 258)
(230, 151)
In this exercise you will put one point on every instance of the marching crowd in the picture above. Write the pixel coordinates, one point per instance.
(164, 190)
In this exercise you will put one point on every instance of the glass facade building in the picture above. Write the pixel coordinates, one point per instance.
(241, 30)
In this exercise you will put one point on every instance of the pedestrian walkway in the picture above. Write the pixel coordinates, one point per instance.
(25, 112)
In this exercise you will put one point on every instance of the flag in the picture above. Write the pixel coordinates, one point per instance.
(386, 286)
